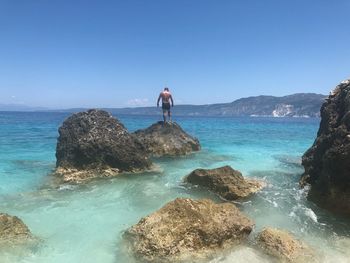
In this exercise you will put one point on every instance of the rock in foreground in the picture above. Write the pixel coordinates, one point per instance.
(167, 139)
(186, 229)
(224, 181)
(327, 162)
(95, 144)
(12, 229)
(284, 246)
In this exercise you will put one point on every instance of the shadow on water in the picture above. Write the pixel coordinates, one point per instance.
(33, 165)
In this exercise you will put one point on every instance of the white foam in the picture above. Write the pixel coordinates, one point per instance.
(311, 214)
(67, 187)
(243, 255)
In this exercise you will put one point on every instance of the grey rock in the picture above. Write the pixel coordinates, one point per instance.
(167, 139)
(327, 162)
(95, 144)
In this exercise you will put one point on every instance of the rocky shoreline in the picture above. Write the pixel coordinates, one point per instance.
(94, 144)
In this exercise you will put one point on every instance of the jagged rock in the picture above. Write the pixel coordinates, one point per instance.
(167, 139)
(12, 229)
(284, 246)
(327, 162)
(186, 229)
(225, 181)
(95, 144)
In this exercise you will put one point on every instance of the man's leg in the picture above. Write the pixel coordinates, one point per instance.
(169, 115)
(164, 116)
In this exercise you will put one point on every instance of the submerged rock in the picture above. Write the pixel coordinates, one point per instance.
(167, 139)
(95, 144)
(327, 162)
(224, 181)
(186, 229)
(284, 246)
(13, 230)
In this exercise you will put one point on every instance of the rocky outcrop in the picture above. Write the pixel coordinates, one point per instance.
(327, 162)
(186, 229)
(167, 139)
(284, 246)
(12, 229)
(95, 144)
(224, 181)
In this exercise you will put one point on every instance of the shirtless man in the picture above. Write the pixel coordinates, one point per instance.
(166, 97)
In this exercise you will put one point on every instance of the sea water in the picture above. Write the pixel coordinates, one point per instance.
(85, 223)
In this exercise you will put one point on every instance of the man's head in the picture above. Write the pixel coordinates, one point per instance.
(166, 89)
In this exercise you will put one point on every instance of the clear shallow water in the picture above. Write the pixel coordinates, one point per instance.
(85, 223)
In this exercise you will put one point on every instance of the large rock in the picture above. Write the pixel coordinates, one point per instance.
(186, 229)
(224, 181)
(12, 229)
(327, 162)
(167, 139)
(95, 144)
(284, 246)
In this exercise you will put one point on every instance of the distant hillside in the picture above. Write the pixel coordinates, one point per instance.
(19, 107)
(296, 105)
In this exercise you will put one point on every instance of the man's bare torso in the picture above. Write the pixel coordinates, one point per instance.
(165, 95)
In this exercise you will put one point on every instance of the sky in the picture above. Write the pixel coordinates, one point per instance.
(68, 53)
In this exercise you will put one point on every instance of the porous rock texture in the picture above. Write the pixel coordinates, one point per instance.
(95, 144)
(225, 181)
(13, 230)
(167, 139)
(185, 230)
(327, 162)
(283, 246)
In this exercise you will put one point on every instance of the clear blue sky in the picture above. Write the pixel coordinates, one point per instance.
(66, 53)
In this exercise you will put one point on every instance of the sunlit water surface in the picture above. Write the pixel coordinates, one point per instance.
(85, 223)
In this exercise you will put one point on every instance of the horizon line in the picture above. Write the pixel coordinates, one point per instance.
(45, 108)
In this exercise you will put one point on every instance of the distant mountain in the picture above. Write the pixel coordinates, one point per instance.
(19, 107)
(296, 105)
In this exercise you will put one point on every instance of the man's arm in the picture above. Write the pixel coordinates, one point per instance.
(172, 102)
(160, 95)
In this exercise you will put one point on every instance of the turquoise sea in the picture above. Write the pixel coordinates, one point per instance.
(85, 223)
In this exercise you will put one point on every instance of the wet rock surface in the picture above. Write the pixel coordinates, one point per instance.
(327, 162)
(12, 229)
(185, 230)
(283, 246)
(225, 181)
(167, 139)
(95, 144)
